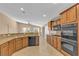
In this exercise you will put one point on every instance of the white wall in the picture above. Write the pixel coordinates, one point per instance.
(46, 31)
(22, 25)
(7, 25)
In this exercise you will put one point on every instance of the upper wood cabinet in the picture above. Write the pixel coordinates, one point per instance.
(4, 49)
(58, 21)
(63, 18)
(71, 15)
(50, 25)
(77, 12)
(55, 23)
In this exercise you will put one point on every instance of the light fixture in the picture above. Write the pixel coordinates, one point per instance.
(44, 15)
(22, 9)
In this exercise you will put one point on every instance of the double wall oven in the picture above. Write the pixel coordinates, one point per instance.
(69, 38)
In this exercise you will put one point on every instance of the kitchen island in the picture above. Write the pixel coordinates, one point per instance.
(13, 43)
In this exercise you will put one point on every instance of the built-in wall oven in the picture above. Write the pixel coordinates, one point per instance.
(69, 38)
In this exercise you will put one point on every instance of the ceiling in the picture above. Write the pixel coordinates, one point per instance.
(35, 13)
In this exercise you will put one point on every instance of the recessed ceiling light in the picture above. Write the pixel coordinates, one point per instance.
(44, 15)
(22, 9)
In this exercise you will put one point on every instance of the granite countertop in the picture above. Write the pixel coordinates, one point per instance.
(8, 38)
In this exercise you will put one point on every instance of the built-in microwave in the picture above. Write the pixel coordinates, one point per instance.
(57, 28)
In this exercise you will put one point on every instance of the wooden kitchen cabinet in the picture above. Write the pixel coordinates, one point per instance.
(59, 21)
(59, 43)
(50, 25)
(71, 14)
(55, 42)
(37, 40)
(18, 43)
(77, 13)
(52, 41)
(63, 18)
(25, 41)
(4, 49)
(55, 23)
(11, 47)
(49, 39)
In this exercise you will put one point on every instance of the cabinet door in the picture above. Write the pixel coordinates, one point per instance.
(71, 15)
(50, 25)
(4, 49)
(52, 41)
(18, 43)
(59, 21)
(63, 18)
(55, 40)
(25, 41)
(59, 43)
(49, 39)
(11, 46)
(37, 40)
(78, 13)
(55, 23)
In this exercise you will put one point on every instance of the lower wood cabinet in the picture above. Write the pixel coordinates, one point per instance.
(8, 48)
(25, 41)
(49, 39)
(52, 41)
(4, 49)
(55, 42)
(18, 43)
(11, 47)
(59, 43)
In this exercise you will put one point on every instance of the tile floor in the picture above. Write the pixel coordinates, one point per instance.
(44, 49)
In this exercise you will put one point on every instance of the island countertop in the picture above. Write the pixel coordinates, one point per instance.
(8, 38)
